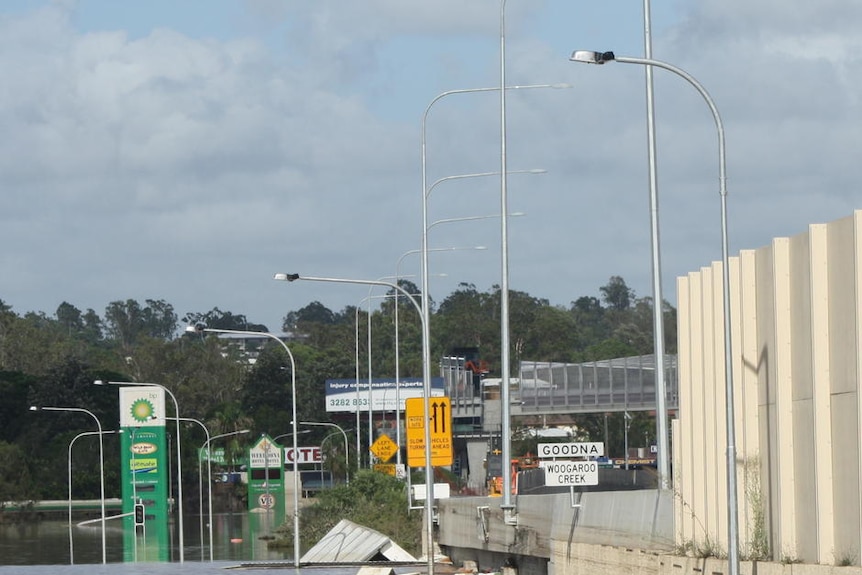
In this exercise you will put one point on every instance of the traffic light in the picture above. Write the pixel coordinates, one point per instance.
(139, 514)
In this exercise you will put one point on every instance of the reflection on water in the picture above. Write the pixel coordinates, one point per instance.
(236, 538)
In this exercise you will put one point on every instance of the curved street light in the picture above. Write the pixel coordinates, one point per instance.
(101, 467)
(69, 465)
(504, 282)
(426, 378)
(338, 427)
(203, 329)
(590, 57)
(206, 448)
(181, 537)
(201, 489)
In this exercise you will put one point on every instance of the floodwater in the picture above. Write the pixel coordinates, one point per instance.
(47, 543)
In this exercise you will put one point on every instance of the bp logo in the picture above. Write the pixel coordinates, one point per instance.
(143, 411)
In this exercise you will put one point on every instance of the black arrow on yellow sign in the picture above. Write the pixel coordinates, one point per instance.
(442, 407)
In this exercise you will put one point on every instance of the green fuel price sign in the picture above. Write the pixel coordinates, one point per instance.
(144, 468)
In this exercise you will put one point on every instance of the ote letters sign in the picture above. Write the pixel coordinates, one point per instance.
(305, 455)
(571, 472)
(592, 449)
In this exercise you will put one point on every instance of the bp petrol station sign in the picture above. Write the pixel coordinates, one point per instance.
(569, 464)
(144, 469)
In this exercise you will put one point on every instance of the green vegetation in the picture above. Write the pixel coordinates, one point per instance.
(373, 500)
(52, 360)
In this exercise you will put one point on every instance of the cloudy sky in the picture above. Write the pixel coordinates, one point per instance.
(186, 151)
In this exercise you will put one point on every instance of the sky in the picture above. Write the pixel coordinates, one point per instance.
(187, 151)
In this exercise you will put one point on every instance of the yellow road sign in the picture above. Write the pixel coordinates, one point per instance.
(387, 468)
(384, 448)
(439, 422)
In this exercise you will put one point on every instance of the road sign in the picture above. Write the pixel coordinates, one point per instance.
(439, 422)
(592, 449)
(384, 448)
(387, 468)
(571, 472)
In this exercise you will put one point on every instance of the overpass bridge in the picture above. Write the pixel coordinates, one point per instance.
(554, 388)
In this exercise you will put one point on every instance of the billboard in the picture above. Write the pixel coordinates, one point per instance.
(344, 395)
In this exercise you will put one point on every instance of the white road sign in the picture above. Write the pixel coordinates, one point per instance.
(593, 449)
(571, 472)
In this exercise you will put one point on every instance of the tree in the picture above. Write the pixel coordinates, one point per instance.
(70, 318)
(616, 294)
(218, 319)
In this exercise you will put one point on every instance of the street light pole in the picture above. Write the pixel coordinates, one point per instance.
(206, 448)
(324, 424)
(181, 537)
(657, 297)
(69, 465)
(504, 311)
(203, 329)
(101, 465)
(591, 57)
(426, 377)
(505, 367)
(200, 487)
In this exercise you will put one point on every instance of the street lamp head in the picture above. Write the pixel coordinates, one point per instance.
(34, 408)
(196, 328)
(285, 277)
(590, 57)
(98, 382)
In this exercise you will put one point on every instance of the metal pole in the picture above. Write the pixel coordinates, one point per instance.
(426, 377)
(358, 428)
(101, 468)
(200, 486)
(732, 499)
(505, 366)
(71, 443)
(296, 546)
(658, 299)
(209, 478)
(324, 424)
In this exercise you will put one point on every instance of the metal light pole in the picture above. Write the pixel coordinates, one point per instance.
(181, 536)
(69, 464)
(204, 329)
(426, 378)
(201, 488)
(732, 513)
(206, 448)
(398, 276)
(101, 467)
(505, 427)
(657, 297)
(504, 248)
(324, 424)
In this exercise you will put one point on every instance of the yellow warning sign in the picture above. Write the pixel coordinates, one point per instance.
(439, 421)
(384, 448)
(387, 468)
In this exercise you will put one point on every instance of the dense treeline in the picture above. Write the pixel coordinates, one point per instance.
(54, 360)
